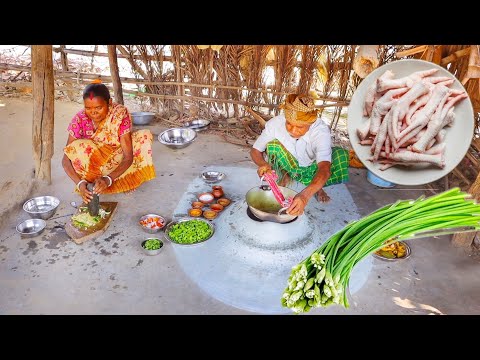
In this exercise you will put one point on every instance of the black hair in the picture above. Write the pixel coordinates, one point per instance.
(94, 90)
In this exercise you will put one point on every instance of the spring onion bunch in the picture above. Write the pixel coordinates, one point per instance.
(322, 278)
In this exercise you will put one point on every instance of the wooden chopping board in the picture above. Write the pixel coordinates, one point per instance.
(80, 235)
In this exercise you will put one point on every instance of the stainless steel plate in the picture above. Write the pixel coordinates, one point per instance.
(178, 221)
(197, 125)
(212, 176)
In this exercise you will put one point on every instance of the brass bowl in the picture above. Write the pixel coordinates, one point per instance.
(210, 214)
(197, 205)
(224, 202)
(216, 207)
(195, 212)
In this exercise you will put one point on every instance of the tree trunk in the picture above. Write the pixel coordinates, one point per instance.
(43, 107)
(117, 85)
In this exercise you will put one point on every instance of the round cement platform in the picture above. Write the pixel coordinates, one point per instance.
(246, 264)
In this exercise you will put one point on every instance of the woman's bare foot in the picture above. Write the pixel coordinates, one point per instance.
(322, 196)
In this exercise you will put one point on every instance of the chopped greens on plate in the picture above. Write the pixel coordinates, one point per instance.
(190, 232)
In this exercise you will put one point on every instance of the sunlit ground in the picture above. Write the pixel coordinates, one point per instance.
(409, 304)
(420, 308)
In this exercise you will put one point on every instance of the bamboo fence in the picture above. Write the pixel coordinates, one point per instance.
(223, 82)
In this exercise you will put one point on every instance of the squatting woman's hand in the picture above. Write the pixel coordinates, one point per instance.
(100, 185)
(84, 193)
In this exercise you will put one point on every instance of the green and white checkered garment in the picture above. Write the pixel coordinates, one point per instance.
(283, 162)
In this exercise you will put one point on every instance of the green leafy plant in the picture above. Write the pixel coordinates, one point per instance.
(322, 278)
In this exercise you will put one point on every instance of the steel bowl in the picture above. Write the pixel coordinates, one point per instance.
(177, 138)
(152, 252)
(197, 125)
(142, 117)
(31, 227)
(408, 252)
(41, 207)
(211, 177)
(178, 221)
(263, 205)
(148, 230)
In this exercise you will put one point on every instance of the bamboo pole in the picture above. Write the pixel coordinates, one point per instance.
(136, 57)
(413, 51)
(64, 62)
(96, 53)
(189, 98)
(137, 68)
(437, 55)
(117, 84)
(43, 110)
(455, 56)
(108, 79)
(257, 117)
(210, 74)
(473, 70)
(178, 72)
(428, 53)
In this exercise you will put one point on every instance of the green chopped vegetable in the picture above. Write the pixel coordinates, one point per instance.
(153, 244)
(84, 220)
(332, 263)
(190, 232)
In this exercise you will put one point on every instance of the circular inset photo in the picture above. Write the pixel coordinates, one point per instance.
(410, 122)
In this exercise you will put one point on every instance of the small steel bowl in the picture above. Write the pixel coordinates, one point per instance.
(148, 230)
(152, 252)
(197, 125)
(41, 207)
(142, 117)
(177, 138)
(408, 252)
(169, 227)
(31, 227)
(212, 176)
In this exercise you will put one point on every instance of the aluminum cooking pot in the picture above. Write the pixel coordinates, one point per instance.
(263, 205)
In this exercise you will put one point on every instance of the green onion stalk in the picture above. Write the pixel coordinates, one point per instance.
(322, 278)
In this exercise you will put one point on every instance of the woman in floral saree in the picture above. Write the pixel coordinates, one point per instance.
(102, 149)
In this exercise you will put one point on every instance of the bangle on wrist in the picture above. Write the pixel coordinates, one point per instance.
(78, 184)
(110, 180)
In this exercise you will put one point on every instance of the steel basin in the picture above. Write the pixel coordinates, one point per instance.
(41, 207)
(31, 227)
(263, 205)
(177, 138)
(142, 117)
